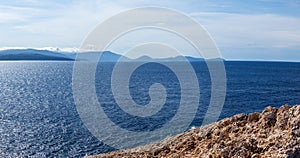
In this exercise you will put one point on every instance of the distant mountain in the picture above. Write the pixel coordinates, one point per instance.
(144, 58)
(32, 54)
(106, 56)
(177, 59)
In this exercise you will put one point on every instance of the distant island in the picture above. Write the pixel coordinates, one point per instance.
(33, 54)
(106, 56)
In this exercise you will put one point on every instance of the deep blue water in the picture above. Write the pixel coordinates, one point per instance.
(38, 115)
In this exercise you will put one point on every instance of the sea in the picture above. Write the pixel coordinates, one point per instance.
(39, 118)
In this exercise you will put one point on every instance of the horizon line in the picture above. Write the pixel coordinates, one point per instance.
(76, 50)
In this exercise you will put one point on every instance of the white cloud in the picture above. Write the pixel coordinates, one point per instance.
(59, 24)
(66, 50)
(55, 25)
(68, 25)
(9, 17)
(251, 30)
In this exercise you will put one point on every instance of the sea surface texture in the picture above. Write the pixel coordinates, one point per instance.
(38, 116)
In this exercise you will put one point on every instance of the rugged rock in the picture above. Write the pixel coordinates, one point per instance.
(272, 133)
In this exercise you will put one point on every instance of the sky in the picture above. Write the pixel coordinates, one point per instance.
(242, 30)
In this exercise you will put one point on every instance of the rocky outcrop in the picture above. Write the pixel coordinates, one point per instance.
(273, 133)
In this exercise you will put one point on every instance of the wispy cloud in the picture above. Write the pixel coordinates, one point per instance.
(253, 36)
(251, 30)
(266, 26)
(13, 14)
(57, 25)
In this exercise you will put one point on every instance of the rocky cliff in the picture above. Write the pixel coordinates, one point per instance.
(273, 133)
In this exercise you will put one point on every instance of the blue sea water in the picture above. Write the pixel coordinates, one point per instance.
(38, 115)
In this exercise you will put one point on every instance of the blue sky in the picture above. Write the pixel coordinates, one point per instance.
(248, 30)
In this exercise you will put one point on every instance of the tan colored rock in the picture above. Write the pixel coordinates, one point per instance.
(253, 117)
(272, 133)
